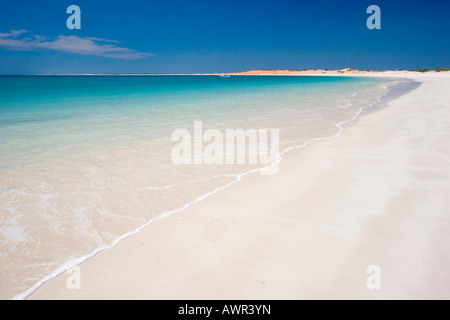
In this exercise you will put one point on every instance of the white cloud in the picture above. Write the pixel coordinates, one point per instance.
(16, 39)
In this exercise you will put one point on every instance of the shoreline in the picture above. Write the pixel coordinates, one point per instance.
(72, 262)
(92, 278)
(262, 72)
(77, 261)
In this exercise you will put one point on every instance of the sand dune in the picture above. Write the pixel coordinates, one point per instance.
(295, 72)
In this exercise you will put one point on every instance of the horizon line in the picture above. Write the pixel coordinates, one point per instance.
(247, 72)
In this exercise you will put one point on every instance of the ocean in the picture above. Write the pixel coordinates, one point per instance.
(85, 161)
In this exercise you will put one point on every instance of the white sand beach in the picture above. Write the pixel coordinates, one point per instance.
(376, 195)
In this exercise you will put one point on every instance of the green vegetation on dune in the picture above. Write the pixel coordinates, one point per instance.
(437, 70)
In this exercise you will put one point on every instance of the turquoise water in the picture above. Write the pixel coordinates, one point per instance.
(85, 160)
(43, 116)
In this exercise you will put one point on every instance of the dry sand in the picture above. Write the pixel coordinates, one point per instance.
(376, 195)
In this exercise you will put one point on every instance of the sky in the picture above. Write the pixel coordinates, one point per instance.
(174, 36)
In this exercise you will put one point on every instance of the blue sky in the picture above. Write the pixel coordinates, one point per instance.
(173, 36)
